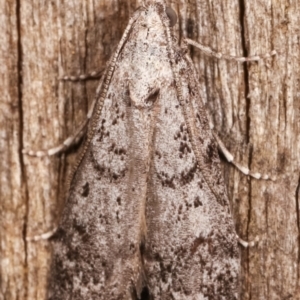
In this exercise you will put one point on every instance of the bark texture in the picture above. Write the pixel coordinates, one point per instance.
(255, 108)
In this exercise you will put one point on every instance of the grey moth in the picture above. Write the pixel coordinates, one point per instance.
(147, 216)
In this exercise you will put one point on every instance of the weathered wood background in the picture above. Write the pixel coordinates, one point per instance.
(254, 107)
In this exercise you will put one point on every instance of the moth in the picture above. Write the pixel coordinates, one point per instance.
(147, 216)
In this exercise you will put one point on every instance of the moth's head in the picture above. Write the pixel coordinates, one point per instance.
(163, 10)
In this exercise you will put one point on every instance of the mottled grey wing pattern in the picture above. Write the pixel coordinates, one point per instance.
(190, 245)
(141, 220)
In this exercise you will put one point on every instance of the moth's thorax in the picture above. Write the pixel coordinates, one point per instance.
(146, 58)
(150, 17)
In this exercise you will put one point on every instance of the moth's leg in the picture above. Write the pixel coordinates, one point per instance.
(43, 236)
(71, 140)
(67, 143)
(208, 51)
(231, 160)
(92, 75)
(247, 244)
(225, 151)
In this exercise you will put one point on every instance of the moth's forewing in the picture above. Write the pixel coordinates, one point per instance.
(191, 246)
(140, 214)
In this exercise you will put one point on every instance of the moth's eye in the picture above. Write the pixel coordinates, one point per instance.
(172, 16)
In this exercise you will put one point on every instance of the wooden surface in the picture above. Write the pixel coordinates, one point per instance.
(255, 108)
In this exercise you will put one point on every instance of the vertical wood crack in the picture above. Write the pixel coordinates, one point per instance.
(21, 127)
(245, 66)
(298, 226)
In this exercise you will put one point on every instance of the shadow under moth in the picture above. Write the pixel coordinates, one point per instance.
(147, 216)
